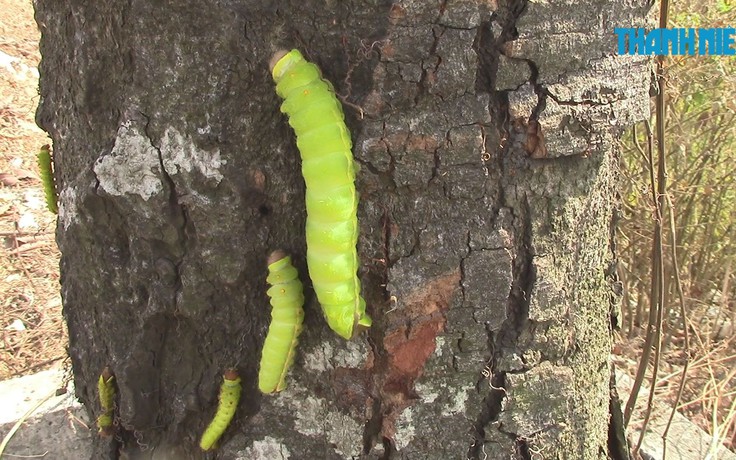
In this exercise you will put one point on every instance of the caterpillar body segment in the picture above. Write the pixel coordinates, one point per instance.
(228, 402)
(287, 316)
(329, 171)
(47, 177)
(106, 393)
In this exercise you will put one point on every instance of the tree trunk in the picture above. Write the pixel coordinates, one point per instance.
(485, 137)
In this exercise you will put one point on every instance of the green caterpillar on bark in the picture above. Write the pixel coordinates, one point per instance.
(287, 315)
(106, 391)
(47, 177)
(229, 397)
(328, 168)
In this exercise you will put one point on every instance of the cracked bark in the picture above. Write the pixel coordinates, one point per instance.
(486, 144)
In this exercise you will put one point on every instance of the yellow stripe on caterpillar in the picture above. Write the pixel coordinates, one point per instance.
(287, 315)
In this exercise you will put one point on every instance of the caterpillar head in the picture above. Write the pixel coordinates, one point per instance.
(232, 375)
(106, 374)
(275, 256)
(282, 60)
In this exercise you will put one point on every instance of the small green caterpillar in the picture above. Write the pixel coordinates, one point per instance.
(106, 391)
(229, 397)
(47, 177)
(287, 314)
(328, 168)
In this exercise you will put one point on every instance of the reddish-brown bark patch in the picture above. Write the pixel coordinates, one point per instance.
(409, 350)
(534, 143)
(387, 50)
(408, 142)
(396, 14)
(410, 341)
(421, 143)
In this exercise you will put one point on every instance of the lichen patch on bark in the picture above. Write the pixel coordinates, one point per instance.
(525, 414)
(315, 417)
(132, 167)
(268, 448)
(404, 429)
(68, 212)
(181, 155)
(548, 300)
(324, 356)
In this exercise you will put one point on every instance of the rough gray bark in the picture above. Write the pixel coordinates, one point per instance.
(487, 198)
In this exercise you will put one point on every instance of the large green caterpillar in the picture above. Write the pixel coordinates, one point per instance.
(229, 397)
(328, 168)
(47, 177)
(106, 391)
(287, 315)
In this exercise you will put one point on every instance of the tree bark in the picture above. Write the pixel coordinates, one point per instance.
(486, 139)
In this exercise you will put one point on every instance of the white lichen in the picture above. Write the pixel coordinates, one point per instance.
(267, 449)
(310, 416)
(547, 299)
(439, 344)
(344, 433)
(324, 356)
(314, 418)
(317, 359)
(458, 401)
(452, 400)
(352, 354)
(68, 213)
(405, 431)
(131, 167)
(180, 154)
(426, 393)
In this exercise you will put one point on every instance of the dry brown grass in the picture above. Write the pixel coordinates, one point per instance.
(709, 396)
(33, 333)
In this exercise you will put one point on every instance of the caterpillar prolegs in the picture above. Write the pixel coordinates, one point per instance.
(229, 397)
(287, 315)
(328, 168)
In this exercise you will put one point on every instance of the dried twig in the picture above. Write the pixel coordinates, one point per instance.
(28, 247)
